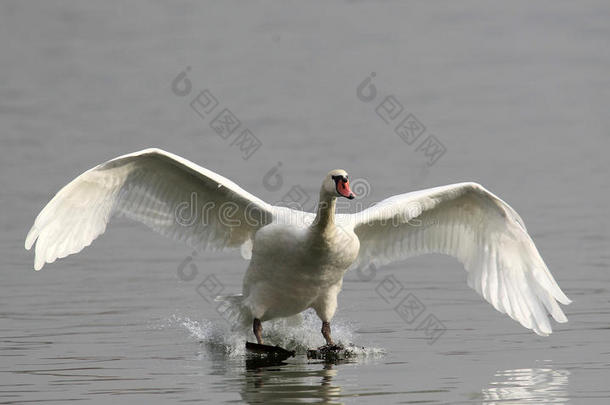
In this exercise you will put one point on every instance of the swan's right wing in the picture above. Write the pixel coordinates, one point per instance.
(167, 193)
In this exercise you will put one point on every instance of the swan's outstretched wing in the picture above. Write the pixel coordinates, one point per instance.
(169, 194)
(483, 232)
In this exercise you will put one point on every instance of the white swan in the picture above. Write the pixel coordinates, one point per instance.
(298, 259)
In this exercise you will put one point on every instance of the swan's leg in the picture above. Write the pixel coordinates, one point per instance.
(325, 306)
(326, 333)
(257, 328)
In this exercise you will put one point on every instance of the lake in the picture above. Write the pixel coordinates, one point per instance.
(512, 95)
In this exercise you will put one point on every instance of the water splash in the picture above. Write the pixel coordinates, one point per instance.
(297, 334)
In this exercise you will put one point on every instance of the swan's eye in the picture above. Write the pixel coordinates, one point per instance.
(340, 177)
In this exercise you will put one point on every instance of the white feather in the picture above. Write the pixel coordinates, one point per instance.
(155, 188)
(147, 186)
(483, 232)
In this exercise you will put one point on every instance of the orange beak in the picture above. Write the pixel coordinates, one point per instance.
(344, 190)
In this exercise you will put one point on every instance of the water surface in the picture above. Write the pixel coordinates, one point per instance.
(517, 94)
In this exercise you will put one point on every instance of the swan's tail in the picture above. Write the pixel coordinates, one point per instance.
(234, 311)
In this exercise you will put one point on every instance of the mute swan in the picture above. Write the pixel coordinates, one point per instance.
(298, 259)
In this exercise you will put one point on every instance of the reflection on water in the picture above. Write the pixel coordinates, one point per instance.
(291, 383)
(260, 381)
(539, 385)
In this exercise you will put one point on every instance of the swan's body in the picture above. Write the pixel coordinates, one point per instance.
(298, 259)
(298, 266)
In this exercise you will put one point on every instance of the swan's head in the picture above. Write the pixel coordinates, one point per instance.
(336, 184)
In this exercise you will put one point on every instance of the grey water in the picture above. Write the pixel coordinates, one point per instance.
(512, 95)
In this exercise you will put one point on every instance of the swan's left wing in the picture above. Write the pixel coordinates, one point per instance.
(483, 232)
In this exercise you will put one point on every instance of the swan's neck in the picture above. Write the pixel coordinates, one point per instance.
(325, 216)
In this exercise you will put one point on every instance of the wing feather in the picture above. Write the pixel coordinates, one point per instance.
(152, 187)
(484, 233)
